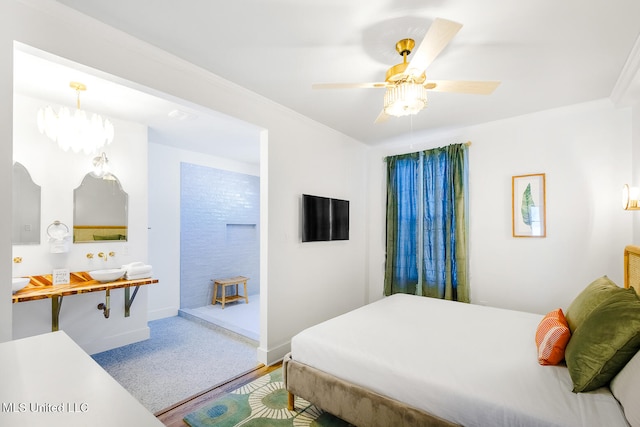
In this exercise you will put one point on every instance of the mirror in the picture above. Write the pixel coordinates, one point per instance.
(25, 227)
(99, 210)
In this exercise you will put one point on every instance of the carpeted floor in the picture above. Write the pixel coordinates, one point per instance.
(181, 359)
(262, 402)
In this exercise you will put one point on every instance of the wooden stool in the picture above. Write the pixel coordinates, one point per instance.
(229, 282)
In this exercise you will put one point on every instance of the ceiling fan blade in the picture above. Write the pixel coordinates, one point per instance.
(438, 37)
(374, 85)
(462, 86)
(382, 117)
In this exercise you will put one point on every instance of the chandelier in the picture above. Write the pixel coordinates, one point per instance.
(405, 98)
(75, 131)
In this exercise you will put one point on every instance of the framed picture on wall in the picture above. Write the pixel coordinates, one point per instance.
(528, 205)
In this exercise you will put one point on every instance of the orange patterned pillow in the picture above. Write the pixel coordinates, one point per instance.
(552, 336)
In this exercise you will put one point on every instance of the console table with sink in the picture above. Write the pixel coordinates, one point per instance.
(42, 287)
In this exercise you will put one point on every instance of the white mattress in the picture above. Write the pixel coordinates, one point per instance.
(469, 364)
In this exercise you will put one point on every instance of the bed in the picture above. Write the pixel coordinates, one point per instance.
(480, 367)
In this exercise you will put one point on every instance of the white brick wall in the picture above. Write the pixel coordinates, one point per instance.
(219, 223)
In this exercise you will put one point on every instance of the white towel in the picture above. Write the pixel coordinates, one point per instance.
(139, 276)
(138, 268)
(132, 264)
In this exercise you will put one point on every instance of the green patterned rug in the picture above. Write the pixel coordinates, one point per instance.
(262, 402)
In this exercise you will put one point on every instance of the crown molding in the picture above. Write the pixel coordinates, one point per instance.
(626, 91)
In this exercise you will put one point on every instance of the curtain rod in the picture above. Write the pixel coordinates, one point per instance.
(468, 144)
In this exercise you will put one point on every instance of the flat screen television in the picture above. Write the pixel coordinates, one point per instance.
(339, 219)
(324, 219)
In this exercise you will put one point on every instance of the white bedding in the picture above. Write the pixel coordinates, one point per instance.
(469, 364)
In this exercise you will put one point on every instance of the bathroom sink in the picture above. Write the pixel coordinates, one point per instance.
(108, 275)
(18, 283)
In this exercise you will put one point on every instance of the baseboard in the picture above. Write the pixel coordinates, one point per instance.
(274, 355)
(116, 341)
(162, 313)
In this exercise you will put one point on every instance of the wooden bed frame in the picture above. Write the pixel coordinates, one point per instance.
(364, 408)
(632, 267)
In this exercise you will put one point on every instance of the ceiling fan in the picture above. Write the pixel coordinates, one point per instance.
(406, 83)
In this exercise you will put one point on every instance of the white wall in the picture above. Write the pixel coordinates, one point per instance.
(164, 219)
(6, 168)
(584, 150)
(302, 156)
(635, 161)
(310, 282)
(59, 173)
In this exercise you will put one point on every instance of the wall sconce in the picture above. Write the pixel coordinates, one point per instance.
(101, 167)
(630, 198)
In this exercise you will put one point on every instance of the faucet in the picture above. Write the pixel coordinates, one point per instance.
(105, 256)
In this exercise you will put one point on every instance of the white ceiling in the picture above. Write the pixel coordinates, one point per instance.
(547, 53)
(47, 77)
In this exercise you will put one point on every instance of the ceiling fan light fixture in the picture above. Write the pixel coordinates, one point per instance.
(406, 83)
(405, 99)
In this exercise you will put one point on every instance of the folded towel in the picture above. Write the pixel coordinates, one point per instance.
(138, 276)
(138, 269)
(133, 264)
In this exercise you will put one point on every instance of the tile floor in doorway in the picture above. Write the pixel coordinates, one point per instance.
(238, 316)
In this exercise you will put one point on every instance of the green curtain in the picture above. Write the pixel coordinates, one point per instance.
(401, 270)
(427, 223)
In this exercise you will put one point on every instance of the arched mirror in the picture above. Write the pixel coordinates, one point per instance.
(25, 228)
(99, 210)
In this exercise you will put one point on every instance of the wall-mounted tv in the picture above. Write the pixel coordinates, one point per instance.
(324, 219)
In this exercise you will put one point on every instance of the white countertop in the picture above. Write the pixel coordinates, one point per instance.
(48, 380)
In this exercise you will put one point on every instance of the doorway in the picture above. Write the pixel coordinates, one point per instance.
(220, 238)
(174, 135)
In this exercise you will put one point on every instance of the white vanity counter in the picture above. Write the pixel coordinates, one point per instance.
(48, 380)
(42, 287)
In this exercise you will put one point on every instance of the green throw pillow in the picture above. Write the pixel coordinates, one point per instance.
(592, 296)
(605, 341)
